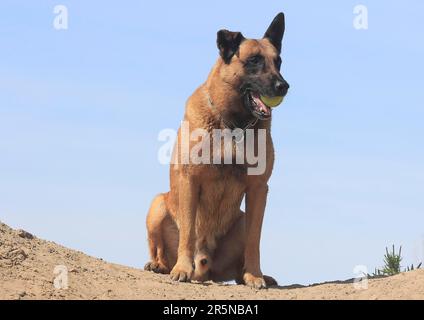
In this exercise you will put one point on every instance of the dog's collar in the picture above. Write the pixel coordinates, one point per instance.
(229, 124)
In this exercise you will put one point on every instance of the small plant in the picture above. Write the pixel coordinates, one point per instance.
(392, 265)
(392, 262)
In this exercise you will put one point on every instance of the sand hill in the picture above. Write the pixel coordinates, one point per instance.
(27, 266)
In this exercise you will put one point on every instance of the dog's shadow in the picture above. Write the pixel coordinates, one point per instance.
(300, 286)
(277, 287)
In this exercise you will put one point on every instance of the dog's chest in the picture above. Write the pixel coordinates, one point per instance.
(220, 199)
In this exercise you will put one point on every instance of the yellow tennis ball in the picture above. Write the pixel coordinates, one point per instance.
(272, 102)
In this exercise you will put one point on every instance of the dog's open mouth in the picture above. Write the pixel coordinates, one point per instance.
(258, 108)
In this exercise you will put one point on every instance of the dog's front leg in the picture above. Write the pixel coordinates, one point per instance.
(255, 206)
(187, 206)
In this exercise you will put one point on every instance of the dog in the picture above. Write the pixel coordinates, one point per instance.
(196, 231)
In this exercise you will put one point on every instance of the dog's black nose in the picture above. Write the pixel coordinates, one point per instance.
(282, 86)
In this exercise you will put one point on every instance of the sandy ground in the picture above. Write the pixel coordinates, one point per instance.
(27, 266)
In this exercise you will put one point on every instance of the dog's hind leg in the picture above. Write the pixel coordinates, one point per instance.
(156, 217)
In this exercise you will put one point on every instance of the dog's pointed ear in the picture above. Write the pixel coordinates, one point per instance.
(275, 31)
(228, 44)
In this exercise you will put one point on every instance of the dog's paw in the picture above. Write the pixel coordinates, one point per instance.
(253, 281)
(156, 267)
(182, 272)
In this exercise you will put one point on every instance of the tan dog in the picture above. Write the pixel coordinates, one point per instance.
(197, 228)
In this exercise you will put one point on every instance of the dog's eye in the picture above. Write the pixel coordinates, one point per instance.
(255, 59)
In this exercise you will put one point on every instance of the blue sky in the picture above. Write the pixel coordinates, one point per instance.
(80, 111)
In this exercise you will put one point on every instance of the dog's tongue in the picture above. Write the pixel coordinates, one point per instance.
(260, 106)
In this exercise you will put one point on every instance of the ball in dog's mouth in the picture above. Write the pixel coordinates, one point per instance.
(261, 105)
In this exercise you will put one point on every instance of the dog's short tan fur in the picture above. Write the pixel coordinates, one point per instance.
(200, 216)
(227, 261)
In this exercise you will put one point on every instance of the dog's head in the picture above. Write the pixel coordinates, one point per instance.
(252, 66)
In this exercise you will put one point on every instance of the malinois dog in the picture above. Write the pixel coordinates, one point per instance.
(197, 231)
